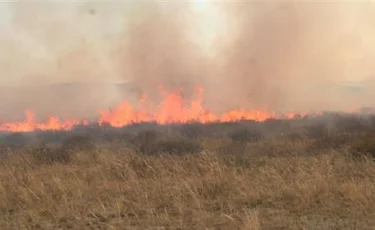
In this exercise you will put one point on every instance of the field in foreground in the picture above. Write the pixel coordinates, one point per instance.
(207, 191)
(276, 175)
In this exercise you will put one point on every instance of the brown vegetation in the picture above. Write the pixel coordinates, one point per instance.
(238, 178)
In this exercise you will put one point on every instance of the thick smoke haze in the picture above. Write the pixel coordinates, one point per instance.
(294, 55)
(277, 56)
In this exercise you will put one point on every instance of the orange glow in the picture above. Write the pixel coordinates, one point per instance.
(172, 109)
(30, 124)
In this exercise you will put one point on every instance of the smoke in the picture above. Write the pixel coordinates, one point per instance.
(278, 56)
(49, 44)
(294, 56)
(160, 51)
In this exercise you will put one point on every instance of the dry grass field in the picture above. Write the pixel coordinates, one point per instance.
(206, 183)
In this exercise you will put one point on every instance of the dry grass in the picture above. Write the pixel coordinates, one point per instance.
(206, 191)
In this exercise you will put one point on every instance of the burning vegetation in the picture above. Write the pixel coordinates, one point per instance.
(174, 109)
(229, 128)
(201, 62)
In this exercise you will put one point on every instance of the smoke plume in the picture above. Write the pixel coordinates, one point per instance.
(295, 56)
(278, 56)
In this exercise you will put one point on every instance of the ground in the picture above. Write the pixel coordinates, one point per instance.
(228, 183)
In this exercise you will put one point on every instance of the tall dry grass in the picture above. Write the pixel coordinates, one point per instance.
(125, 190)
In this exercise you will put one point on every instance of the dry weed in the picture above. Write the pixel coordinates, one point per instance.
(205, 191)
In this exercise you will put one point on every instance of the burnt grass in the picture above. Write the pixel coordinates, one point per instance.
(305, 173)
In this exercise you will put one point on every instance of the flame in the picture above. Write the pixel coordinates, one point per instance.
(30, 124)
(172, 109)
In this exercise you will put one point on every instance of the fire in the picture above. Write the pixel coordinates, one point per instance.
(172, 109)
(30, 124)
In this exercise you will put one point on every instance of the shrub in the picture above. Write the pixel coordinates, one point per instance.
(277, 125)
(193, 130)
(118, 138)
(241, 161)
(294, 136)
(51, 137)
(144, 140)
(234, 148)
(246, 135)
(18, 139)
(45, 155)
(317, 130)
(353, 123)
(177, 146)
(7, 150)
(333, 141)
(78, 143)
(364, 147)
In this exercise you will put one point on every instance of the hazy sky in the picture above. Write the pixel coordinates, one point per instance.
(34, 36)
(39, 40)
(273, 54)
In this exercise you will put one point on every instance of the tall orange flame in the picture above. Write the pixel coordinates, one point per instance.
(172, 109)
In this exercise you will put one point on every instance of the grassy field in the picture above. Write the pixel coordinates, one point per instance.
(239, 180)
